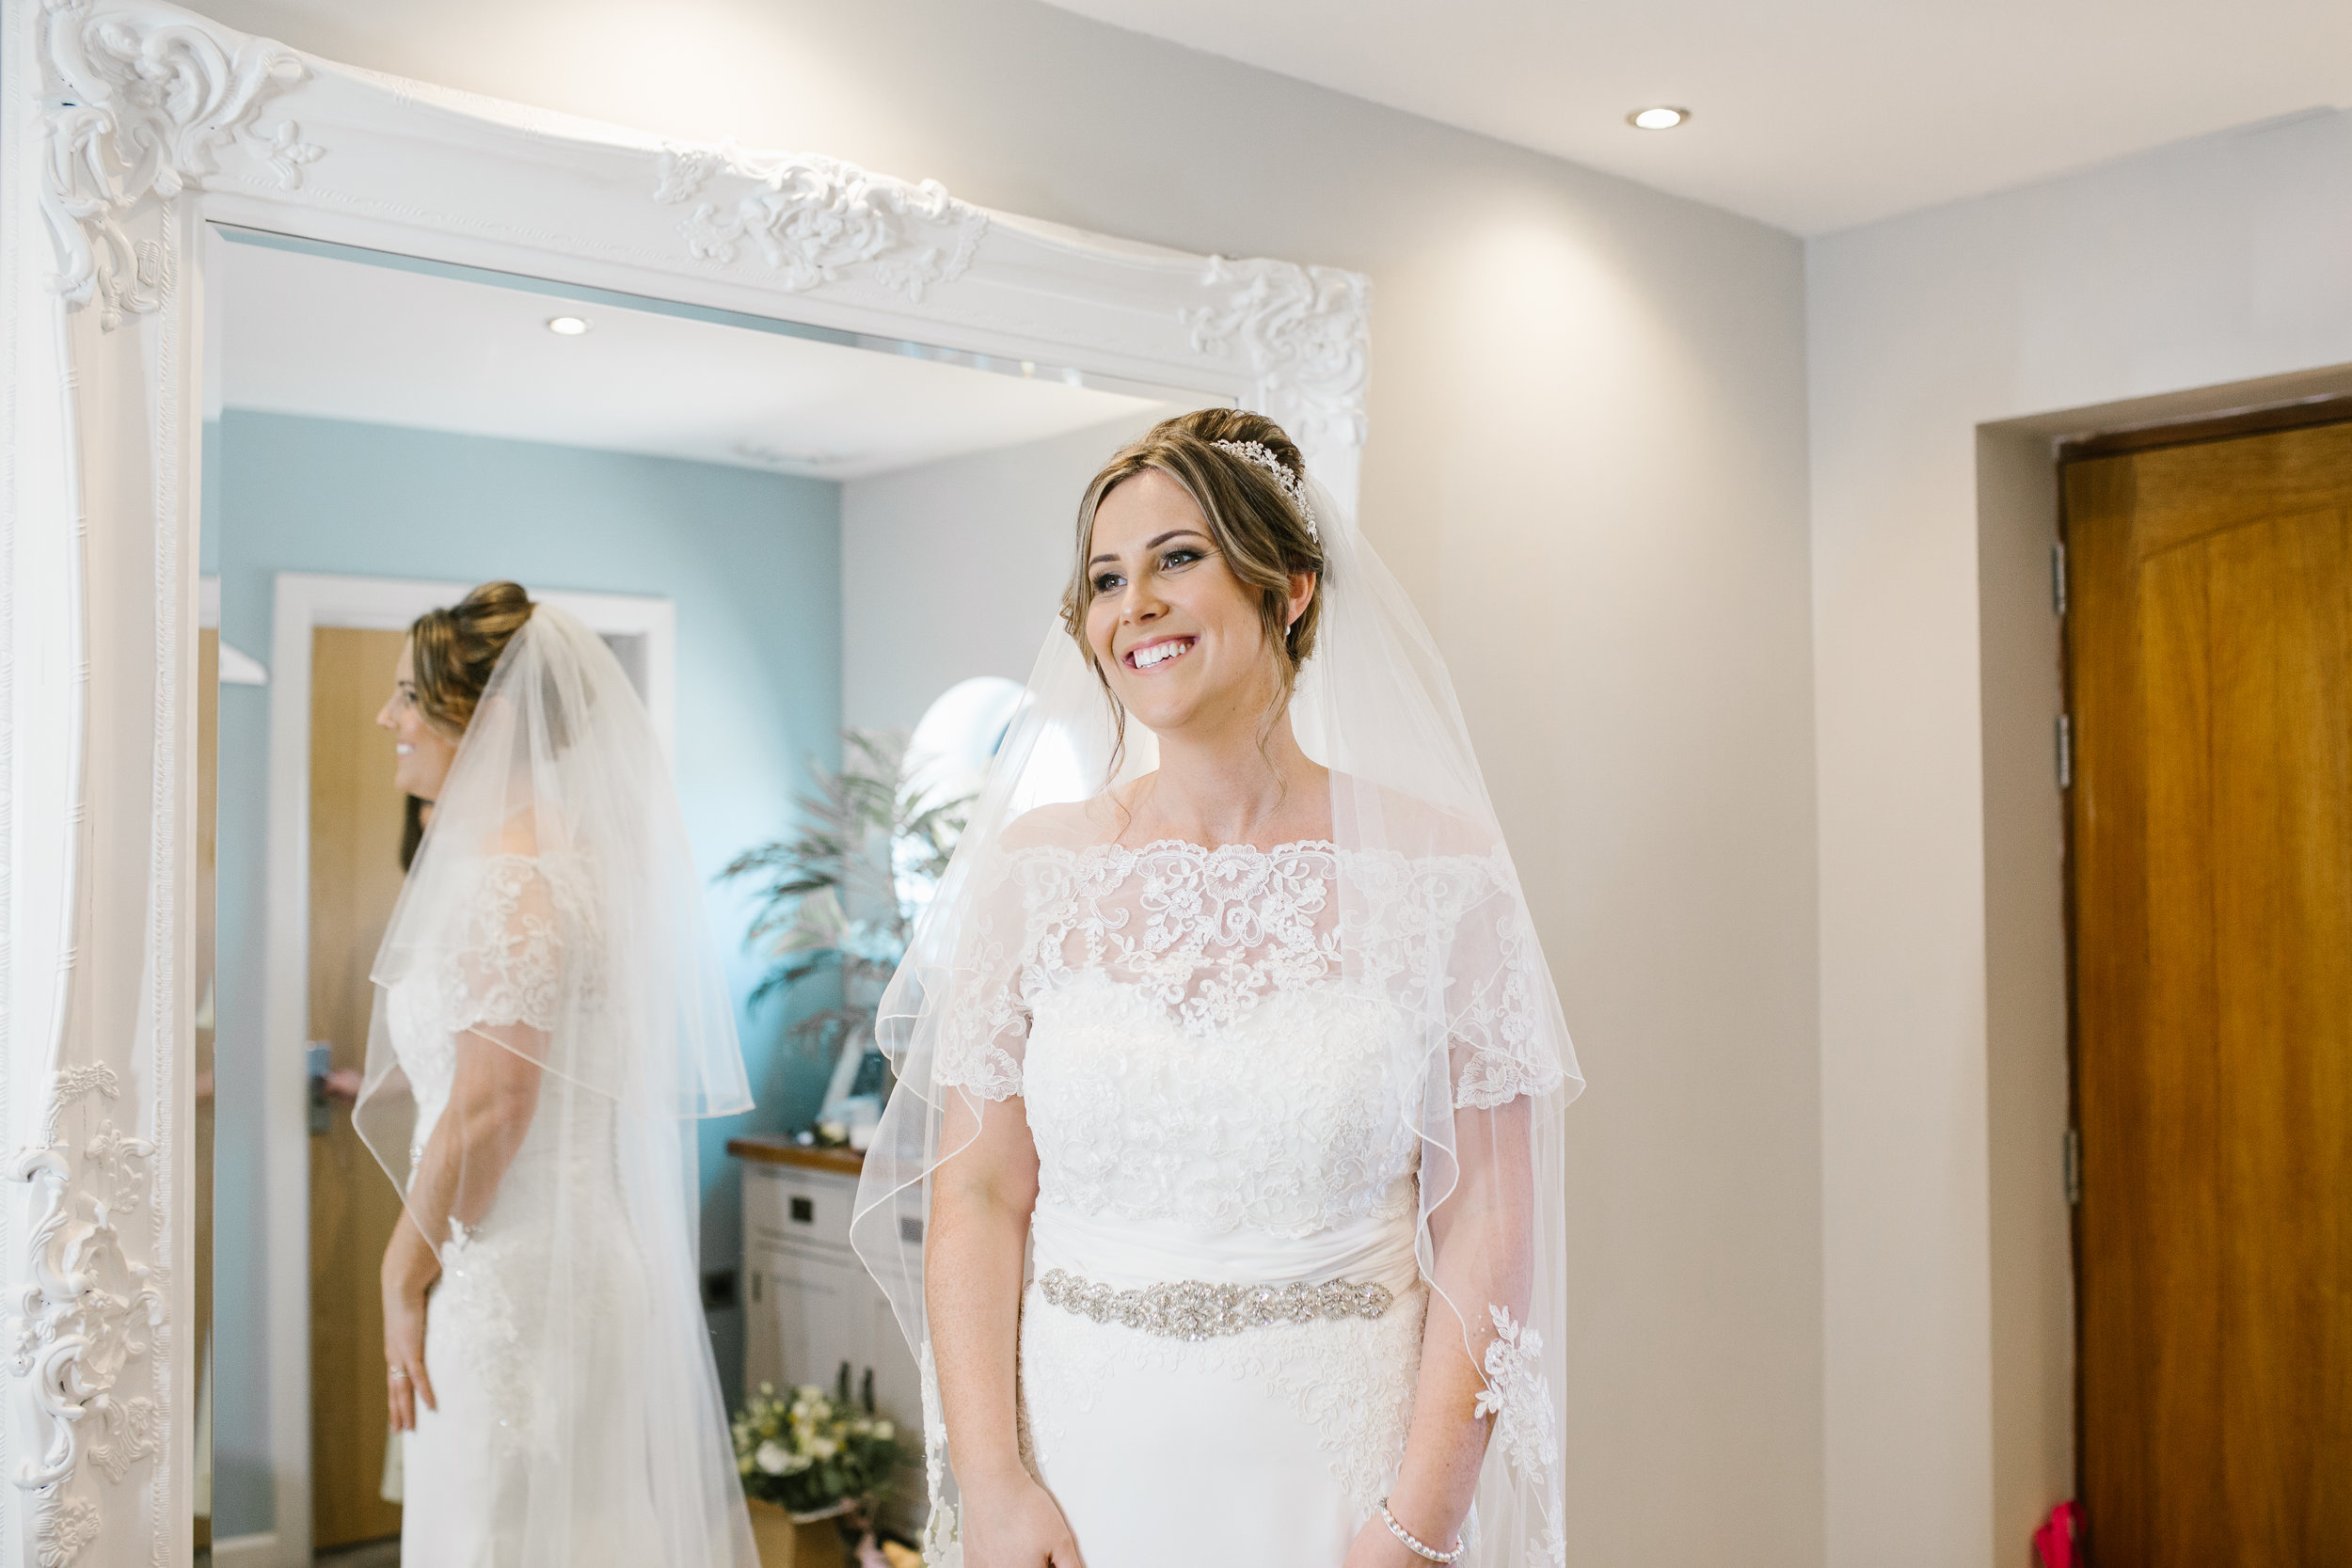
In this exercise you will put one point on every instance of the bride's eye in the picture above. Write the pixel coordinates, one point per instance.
(1108, 582)
(1174, 559)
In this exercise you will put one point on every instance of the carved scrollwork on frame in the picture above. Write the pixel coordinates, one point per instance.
(141, 102)
(88, 1312)
(819, 220)
(1304, 332)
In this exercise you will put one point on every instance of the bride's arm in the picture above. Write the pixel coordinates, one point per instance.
(1483, 1250)
(492, 1099)
(981, 1199)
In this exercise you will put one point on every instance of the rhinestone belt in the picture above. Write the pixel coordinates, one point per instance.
(1204, 1309)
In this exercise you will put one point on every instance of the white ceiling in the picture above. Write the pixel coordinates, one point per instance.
(1810, 115)
(342, 340)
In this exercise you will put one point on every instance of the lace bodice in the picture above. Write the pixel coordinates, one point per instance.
(1239, 1037)
(1288, 1120)
(1207, 936)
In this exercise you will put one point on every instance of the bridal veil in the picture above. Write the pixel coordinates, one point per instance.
(1431, 922)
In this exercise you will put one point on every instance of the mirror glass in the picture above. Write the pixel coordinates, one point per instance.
(810, 551)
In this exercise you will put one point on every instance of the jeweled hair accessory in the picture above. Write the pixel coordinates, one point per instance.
(1292, 487)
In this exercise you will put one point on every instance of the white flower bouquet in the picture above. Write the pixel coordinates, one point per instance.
(812, 1452)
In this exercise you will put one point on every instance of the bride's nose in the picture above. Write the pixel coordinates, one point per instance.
(1136, 602)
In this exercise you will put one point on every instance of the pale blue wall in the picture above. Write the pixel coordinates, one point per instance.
(753, 562)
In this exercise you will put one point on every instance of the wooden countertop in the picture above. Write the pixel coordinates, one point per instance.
(776, 1148)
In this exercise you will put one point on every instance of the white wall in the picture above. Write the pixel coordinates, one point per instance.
(1587, 458)
(955, 568)
(1947, 1313)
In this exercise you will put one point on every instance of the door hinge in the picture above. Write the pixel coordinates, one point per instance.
(2057, 577)
(2065, 752)
(2073, 1166)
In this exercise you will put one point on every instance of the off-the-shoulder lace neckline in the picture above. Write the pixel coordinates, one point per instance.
(1187, 845)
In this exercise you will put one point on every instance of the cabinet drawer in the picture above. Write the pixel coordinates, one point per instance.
(799, 1208)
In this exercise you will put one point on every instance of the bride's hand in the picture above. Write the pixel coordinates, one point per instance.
(1016, 1524)
(406, 1278)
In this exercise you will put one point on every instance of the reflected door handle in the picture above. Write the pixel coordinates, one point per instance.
(319, 1056)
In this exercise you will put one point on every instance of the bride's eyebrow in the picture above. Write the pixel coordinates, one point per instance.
(1153, 544)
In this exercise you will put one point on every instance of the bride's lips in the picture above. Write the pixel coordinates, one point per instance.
(1162, 650)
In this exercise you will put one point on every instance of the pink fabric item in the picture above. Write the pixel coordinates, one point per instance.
(2054, 1544)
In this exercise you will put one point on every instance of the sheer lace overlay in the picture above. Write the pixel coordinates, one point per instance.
(502, 966)
(507, 954)
(1204, 937)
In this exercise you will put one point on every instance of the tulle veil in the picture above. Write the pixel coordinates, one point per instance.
(554, 912)
(1435, 922)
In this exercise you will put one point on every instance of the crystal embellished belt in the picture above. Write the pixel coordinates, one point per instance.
(1206, 1309)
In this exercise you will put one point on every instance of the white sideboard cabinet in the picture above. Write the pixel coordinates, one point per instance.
(810, 1307)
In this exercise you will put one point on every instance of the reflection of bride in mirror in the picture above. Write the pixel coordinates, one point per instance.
(1254, 1053)
(549, 1019)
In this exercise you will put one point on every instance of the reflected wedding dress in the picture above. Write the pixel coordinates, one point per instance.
(1215, 1103)
(554, 910)
(504, 1391)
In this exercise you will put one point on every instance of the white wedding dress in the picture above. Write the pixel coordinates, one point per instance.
(554, 915)
(1214, 1101)
(519, 1372)
(1296, 1112)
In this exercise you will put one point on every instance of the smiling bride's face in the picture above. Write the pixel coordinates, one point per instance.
(422, 752)
(1176, 633)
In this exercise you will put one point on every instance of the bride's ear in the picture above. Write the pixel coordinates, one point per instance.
(1302, 593)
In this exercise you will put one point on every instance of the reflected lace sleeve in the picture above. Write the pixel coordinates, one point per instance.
(510, 953)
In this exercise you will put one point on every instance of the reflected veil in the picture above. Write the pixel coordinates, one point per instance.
(554, 912)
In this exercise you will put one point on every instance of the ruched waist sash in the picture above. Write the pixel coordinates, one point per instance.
(1130, 1254)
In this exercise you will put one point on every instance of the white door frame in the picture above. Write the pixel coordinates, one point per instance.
(304, 602)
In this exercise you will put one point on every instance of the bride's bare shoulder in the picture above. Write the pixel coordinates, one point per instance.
(1065, 825)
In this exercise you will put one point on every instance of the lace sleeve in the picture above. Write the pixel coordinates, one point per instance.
(509, 950)
(1500, 1008)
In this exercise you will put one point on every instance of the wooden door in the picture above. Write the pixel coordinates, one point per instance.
(2210, 673)
(356, 817)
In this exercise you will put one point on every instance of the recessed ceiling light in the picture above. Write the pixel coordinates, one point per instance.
(1662, 118)
(567, 327)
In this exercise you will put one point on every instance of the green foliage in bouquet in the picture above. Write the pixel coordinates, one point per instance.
(806, 1449)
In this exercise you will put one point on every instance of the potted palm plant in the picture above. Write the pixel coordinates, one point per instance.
(841, 895)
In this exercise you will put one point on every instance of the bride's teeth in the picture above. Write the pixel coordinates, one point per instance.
(1159, 652)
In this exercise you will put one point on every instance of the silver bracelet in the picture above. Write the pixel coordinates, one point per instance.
(1413, 1543)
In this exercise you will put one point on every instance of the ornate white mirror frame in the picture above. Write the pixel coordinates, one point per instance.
(127, 126)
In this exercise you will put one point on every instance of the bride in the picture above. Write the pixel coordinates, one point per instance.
(549, 1019)
(1220, 1196)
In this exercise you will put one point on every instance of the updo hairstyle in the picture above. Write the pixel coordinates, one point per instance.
(1256, 526)
(453, 650)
